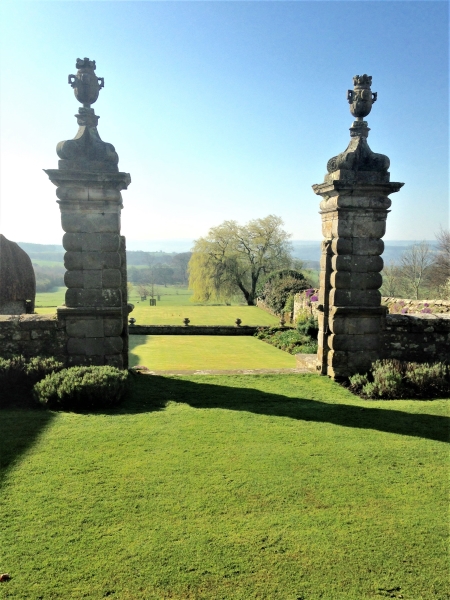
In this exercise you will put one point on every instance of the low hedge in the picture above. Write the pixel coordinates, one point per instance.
(83, 388)
(393, 379)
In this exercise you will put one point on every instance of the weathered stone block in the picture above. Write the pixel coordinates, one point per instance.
(111, 297)
(76, 346)
(368, 247)
(94, 346)
(74, 279)
(73, 242)
(92, 279)
(73, 261)
(112, 278)
(355, 264)
(110, 242)
(112, 327)
(355, 325)
(113, 345)
(73, 297)
(90, 222)
(358, 226)
(354, 343)
(101, 260)
(76, 327)
(114, 360)
(92, 297)
(92, 242)
(355, 297)
(358, 280)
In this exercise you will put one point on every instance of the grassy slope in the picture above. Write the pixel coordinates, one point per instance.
(234, 488)
(167, 352)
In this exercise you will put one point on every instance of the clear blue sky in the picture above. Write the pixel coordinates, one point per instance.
(225, 110)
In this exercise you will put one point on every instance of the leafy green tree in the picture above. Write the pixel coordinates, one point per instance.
(232, 258)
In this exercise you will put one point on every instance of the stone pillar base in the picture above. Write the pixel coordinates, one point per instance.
(94, 336)
(354, 339)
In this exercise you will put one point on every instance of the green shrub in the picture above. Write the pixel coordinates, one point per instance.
(19, 374)
(308, 325)
(83, 388)
(387, 380)
(428, 378)
(358, 381)
(392, 379)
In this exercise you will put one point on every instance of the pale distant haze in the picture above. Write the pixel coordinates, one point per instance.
(224, 110)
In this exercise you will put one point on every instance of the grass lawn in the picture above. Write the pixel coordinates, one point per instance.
(45, 301)
(201, 315)
(193, 352)
(174, 305)
(267, 487)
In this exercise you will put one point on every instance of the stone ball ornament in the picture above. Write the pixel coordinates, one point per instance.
(86, 85)
(361, 96)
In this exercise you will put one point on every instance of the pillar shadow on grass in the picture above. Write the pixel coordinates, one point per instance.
(152, 392)
(19, 430)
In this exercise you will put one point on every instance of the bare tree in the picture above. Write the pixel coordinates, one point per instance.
(416, 264)
(392, 279)
(440, 273)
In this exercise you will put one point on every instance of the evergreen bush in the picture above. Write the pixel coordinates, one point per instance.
(83, 388)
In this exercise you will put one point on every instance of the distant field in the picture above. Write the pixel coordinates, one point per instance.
(195, 352)
(168, 296)
(174, 306)
(46, 302)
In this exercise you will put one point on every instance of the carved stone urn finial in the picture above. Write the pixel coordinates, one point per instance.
(361, 96)
(86, 85)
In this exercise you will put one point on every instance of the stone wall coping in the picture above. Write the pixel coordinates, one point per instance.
(16, 319)
(193, 329)
(392, 299)
(90, 311)
(419, 316)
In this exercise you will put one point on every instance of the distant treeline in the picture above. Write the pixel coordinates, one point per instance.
(143, 268)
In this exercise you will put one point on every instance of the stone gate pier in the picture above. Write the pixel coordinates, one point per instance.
(89, 187)
(354, 208)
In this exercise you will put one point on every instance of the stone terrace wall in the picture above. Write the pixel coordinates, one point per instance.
(416, 306)
(32, 335)
(192, 330)
(418, 337)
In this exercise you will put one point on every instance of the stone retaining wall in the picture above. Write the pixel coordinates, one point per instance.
(32, 335)
(419, 337)
(191, 330)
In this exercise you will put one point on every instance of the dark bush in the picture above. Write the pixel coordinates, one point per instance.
(308, 326)
(289, 340)
(83, 388)
(19, 374)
